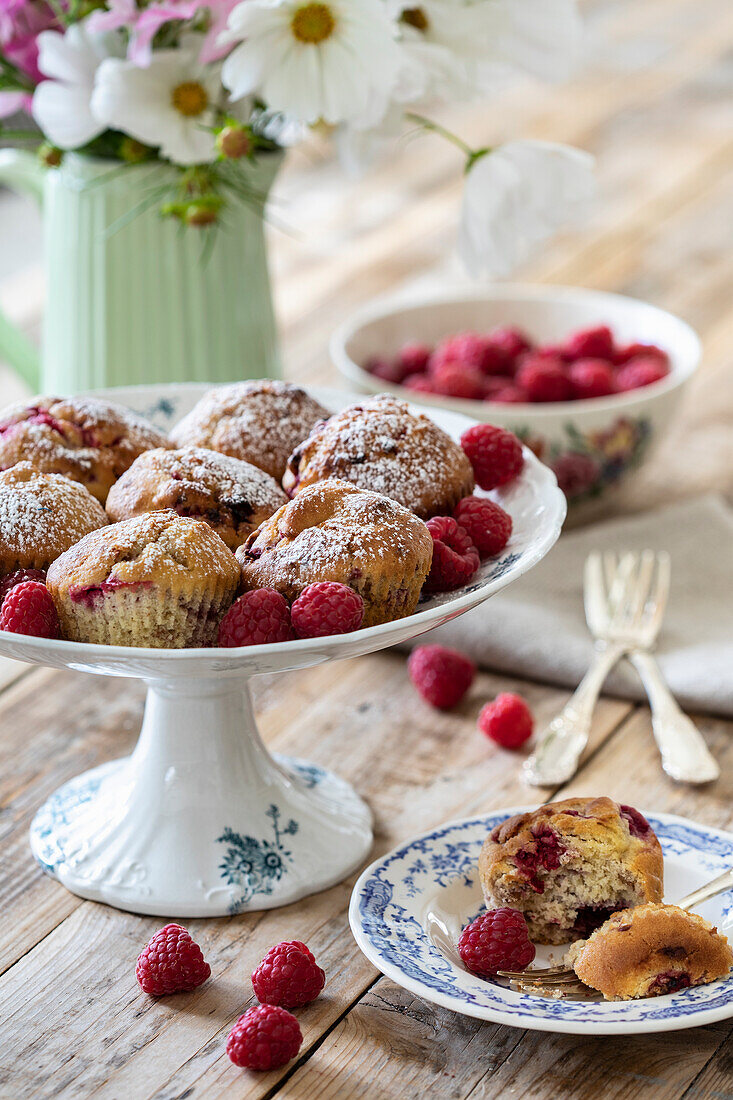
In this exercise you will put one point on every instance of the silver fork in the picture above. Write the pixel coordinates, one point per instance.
(685, 756)
(562, 981)
(624, 604)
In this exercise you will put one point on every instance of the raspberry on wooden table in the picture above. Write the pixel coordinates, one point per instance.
(487, 525)
(590, 343)
(11, 579)
(591, 378)
(495, 454)
(325, 608)
(259, 617)
(265, 1037)
(544, 378)
(171, 963)
(441, 675)
(507, 720)
(455, 558)
(288, 976)
(640, 372)
(28, 608)
(497, 940)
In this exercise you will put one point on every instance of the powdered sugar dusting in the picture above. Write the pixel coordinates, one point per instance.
(382, 446)
(42, 515)
(260, 422)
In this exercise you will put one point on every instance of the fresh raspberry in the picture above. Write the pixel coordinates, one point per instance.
(441, 675)
(507, 720)
(459, 380)
(544, 378)
(641, 351)
(256, 618)
(509, 395)
(470, 349)
(576, 473)
(264, 1038)
(591, 378)
(29, 609)
(640, 372)
(590, 343)
(18, 577)
(511, 343)
(288, 976)
(327, 607)
(171, 963)
(420, 382)
(388, 370)
(414, 359)
(455, 558)
(495, 454)
(497, 940)
(487, 524)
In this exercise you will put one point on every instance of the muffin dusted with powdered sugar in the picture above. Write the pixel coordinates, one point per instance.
(569, 865)
(382, 446)
(233, 496)
(260, 422)
(650, 951)
(333, 531)
(85, 439)
(41, 515)
(158, 580)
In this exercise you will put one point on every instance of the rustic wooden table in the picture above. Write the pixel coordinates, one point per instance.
(656, 108)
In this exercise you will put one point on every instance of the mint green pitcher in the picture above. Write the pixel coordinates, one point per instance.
(132, 297)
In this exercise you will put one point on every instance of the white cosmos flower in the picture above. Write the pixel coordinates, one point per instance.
(170, 103)
(62, 104)
(518, 196)
(313, 61)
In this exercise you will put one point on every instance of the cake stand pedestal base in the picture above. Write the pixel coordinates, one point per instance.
(201, 821)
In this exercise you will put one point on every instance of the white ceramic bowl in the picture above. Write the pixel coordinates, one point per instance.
(592, 445)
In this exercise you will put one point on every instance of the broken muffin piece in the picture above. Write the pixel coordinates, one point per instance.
(649, 951)
(569, 865)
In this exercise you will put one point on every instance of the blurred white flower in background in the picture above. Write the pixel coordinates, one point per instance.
(517, 196)
(62, 104)
(170, 104)
(316, 62)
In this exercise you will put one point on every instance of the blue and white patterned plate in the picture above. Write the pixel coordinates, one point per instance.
(407, 911)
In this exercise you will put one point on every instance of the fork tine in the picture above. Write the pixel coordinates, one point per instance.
(594, 597)
(538, 974)
(618, 596)
(642, 586)
(657, 601)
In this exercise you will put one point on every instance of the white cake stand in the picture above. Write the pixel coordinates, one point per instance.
(201, 820)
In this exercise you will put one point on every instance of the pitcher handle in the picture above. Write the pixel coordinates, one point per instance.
(21, 171)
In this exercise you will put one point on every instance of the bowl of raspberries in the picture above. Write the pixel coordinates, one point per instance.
(589, 380)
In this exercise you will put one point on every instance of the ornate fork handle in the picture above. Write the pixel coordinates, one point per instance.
(555, 759)
(685, 756)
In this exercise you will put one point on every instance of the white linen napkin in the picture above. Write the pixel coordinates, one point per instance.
(536, 628)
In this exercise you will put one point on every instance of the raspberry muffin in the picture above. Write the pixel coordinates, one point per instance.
(650, 950)
(381, 446)
(41, 515)
(85, 439)
(569, 865)
(333, 531)
(233, 496)
(159, 580)
(260, 422)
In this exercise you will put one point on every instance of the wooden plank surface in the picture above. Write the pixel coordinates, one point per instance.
(655, 106)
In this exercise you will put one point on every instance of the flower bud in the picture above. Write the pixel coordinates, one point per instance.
(202, 212)
(132, 151)
(49, 155)
(233, 142)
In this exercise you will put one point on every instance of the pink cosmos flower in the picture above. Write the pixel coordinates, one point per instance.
(21, 21)
(144, 24)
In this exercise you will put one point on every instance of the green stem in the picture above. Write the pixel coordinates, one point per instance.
(436, 128)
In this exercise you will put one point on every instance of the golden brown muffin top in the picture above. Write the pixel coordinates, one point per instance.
(260, 422)
(332, 522)
(41, 515)
(157, 548)
(232, 495)
(84, 438)
(382, 446)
